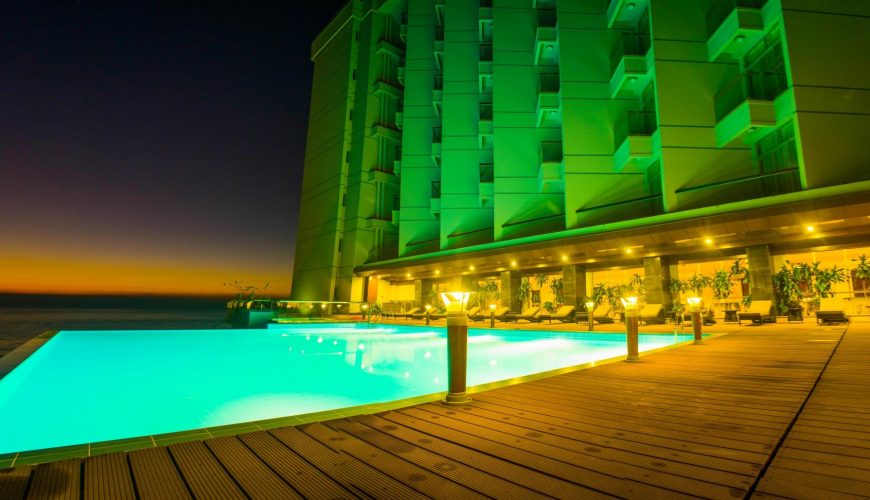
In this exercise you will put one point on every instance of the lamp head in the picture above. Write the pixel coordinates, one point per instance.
(694, 303)
(589, 305)
(455, 301)
(629, 303)
(492, 307)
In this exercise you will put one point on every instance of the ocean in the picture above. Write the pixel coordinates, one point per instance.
(23, 317)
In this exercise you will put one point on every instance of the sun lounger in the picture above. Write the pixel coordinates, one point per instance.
(473, 312)
(759, 312)
(601, 314)
(652, 314)
(564, 314)
(831, 310)
(501, 314)
(528, 314)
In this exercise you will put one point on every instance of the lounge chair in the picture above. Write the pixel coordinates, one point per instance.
(831, 310)
(413, 313)
(652, 314)
(759, 312)
(528, 314)
(601, 314)
(502, 314)
(564, 314)
(473, 312)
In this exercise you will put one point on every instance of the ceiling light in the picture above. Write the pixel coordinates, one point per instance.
(627, 250)
(708, 241)
(513, 263)
(810, 228)
(471, 268)
(564, 258)
(437, 272)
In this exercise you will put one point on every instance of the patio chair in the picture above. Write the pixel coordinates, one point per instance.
(528, 314)
(832, 310)
(601, 314)
(410, 314)
(652, 314)
(760, 311)
(502, 314)
(473, 312)
(564, 314)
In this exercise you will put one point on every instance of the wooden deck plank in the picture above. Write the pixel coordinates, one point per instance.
(56, 480)
(107, 477)
(470, 477)
(628, 439)
(255, 478)
(354, 475)
(155, 475)
(300, 474)
(202, 472)
(611, 483)
(13, 482)
(413, 476)
(531, 479)
(594, 458)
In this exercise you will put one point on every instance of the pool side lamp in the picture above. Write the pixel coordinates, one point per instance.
(492, 315)
(695, 309)
(694, 303)
(629, 303)
(631, 321)
(428, 309)
(455, 301)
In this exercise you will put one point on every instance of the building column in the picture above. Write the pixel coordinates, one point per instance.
(574, 292)
(760, 265)
(656, 274)
(510, 285)
(418, 293)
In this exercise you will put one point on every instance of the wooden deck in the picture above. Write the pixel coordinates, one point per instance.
(696, 421)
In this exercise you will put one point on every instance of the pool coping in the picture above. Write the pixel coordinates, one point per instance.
(38, 456)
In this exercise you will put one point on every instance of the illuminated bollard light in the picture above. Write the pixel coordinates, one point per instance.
(457, 347)
(631, 320)
(697, 322)
(590, 307)
(492, 315)
(428, 311)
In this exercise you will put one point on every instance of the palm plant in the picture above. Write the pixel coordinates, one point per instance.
(825, 279)
(524, 292)
(721, 285)
(698, 282)
(862, 272)
(557, 285)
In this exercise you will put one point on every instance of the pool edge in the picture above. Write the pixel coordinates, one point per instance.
(34, 457)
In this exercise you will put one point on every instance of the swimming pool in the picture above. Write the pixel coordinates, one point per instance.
(90, 386)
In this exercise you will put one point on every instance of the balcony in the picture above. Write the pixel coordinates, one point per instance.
(403, 28)
(400, 74)
(397, 167)
(549, 103)
(751, 105)
(632, 73)
(387, 47)
(484, 126)
(551, 172)
(387, 131)
(625, 13)
(485, 64)
(738, 32)
(486, 182)
(400, 118)
(435, 197)
(389, 88)
(547, 38)
(395, 217)
(436, 145)
(633, 139)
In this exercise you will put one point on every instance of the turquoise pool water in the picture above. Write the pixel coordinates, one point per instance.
(89, 386)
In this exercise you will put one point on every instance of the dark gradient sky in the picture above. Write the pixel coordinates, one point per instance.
(153, 149)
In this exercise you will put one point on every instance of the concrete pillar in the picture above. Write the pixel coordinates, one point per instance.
(574, 292)
(418, 293)
(761, 271)
(510, 285)
(656, 274)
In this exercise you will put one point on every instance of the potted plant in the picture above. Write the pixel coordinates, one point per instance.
(487, 292)
(741, 272)
(524, 292)
(557, 286)
(825, 279)
(676, 287)
(787, 290)
(861, 273)
(721, 285)
(698, 282)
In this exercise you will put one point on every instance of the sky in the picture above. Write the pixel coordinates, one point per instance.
(152, 149)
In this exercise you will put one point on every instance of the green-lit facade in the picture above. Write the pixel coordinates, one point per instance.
(454, 139)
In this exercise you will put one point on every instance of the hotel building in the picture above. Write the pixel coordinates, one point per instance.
(452, 141)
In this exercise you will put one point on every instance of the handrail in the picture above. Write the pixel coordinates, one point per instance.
(617, 203)
(734, 181)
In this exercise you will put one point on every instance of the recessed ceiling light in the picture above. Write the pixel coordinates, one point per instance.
(627, 250)
(437, 272)
(810, 228)
(471, 268)
(708, 241)
(564, 258)
(513, 263)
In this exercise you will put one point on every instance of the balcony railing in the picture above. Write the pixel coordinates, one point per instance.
(635, 43)
(783, 181)
(634, 123)
(546, 18)
(486, 172)
(486, 52)
(486, 111)
(548, 83)
(758, 85)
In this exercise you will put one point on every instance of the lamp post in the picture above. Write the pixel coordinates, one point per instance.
(457, 347)
(428, 311)
(695, 309)
(590, 307)
(365, 309)
(630, 305)
(492, 315)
